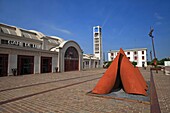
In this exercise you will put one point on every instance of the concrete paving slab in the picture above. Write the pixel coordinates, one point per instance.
(122, 95)
(73, 99)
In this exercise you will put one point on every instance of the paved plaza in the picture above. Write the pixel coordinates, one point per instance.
(66, 93)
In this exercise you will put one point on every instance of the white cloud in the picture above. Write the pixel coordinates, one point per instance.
(52, 27)
(158, 23)
(157, 16)
(158, 19)
(65, 31)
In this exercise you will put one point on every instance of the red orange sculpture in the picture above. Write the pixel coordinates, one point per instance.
(121, 74)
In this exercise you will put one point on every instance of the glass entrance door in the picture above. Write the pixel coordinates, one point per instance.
(46, 64)
(25, 65)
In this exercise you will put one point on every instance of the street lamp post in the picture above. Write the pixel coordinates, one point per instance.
(150, 34)
(151, 55)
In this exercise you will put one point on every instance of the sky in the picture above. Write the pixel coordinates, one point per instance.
(125, 23)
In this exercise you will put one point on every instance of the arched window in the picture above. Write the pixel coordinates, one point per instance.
(71, 59)
(71, 53)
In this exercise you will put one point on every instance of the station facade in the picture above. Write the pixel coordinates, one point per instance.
(29, 52)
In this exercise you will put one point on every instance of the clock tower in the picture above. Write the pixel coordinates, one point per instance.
(97, 44)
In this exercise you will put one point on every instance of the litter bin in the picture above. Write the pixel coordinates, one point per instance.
(56, 69)
(14, 71)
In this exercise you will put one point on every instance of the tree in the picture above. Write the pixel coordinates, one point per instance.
(134, 63)
(107, 64)
(161, 62)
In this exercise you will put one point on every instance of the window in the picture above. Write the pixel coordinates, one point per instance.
(1, 30)
(96, 34)
(111, 54)
(4, 41)
(96, 40)
(33, 36)
(8, 30)
(96, 29)
(135, 52)
(128, 57)
(33, 46)
(135, 57)
(29, 35)
(5, 30)
(143, 57)
(100, 30)
(53, 41)
(71, 52)
(97, 45)
(12, 31)
(128, 53)
(142, 52)
(26, 35)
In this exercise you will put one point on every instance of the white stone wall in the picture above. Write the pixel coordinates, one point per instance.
(14, 52)
(12, 63)
(109, 57)
(167, 63)
(132, 56)
(54, 63)
(90, 63)
(37, 62)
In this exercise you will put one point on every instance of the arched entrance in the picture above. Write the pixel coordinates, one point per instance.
(71, 59)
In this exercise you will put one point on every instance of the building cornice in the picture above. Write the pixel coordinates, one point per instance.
(26, 49)
(19, 37)
(135, 49)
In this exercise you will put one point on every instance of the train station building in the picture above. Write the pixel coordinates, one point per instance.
(30, 52)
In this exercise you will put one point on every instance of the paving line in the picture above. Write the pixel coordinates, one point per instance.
(46, 91)
(26, 106)
(9, 109)
(4, 96)
(3, 90)
(17, 107)
(40, 106)
(56, 106)
(7, 95)
(3, 109)
(155, 108)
